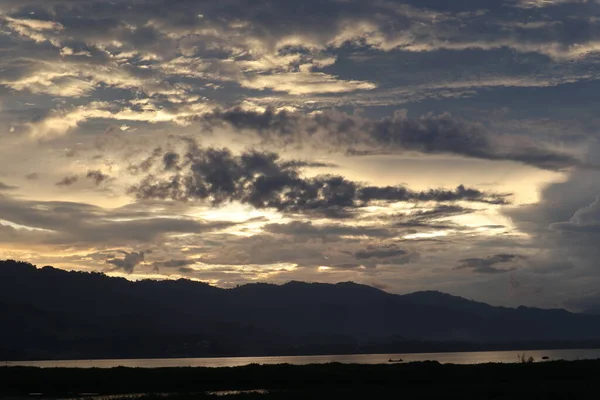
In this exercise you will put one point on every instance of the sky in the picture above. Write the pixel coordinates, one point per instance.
(407, 145)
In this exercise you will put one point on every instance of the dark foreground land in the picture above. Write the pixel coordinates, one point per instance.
(543, 380)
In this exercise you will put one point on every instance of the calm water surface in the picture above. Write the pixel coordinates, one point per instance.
(444, 358)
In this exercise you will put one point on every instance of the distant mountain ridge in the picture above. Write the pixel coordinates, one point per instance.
(54, 313)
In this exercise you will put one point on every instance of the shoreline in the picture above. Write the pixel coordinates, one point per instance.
(381, 358)
(408, 348)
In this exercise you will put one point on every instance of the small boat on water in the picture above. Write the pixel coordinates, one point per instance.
(545, 358)
(395, 361)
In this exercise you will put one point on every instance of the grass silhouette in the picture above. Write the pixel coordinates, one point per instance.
(529, 380)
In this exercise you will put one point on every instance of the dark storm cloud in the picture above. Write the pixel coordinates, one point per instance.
(380, 252)
(128, 262)
(430, 134)
(487, 265)
(377, 255)
(171, 161)
(442, 211)
(97, 176)
(264, 181)
(431, 218)
(4, 186)
(177, 263)
(68, 181)
(368, 194)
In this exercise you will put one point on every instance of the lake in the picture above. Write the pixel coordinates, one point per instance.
(444, 358)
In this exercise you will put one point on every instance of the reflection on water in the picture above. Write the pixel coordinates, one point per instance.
(444, 358)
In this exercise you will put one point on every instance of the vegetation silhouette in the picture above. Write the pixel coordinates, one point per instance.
(523, 359)
(547, 380)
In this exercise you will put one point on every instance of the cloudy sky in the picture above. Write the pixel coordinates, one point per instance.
(408, 145)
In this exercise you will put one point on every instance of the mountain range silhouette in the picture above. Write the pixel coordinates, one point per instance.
(50, 313)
